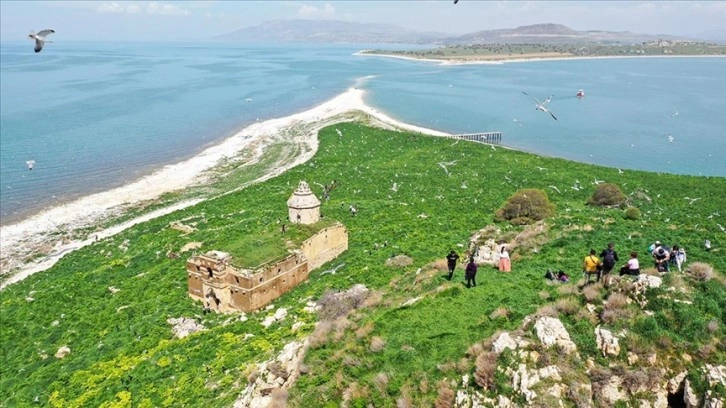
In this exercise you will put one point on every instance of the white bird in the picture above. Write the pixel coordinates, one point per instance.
(721, 227)
(444, 164)
(30, 164)
(620, 171)
(675, 113)
(540, 168)
(555, 188)
(515, 120)
(339, 132)
(334, 270)
(692, 200)
(541, 105)
(707, 244)
(248, 100)
(670, 138)
(395, 187)
(40, 38)
(597, 182)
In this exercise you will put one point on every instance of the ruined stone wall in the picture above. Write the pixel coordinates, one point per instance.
(223, 288)
(325, 246)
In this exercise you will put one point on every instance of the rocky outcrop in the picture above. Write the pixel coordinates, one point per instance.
(277, 374)
(183, 326)
(279, 315)
(607, 342)
(62, 352)
(550, 332)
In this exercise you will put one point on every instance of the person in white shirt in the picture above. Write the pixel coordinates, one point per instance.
(632, 267)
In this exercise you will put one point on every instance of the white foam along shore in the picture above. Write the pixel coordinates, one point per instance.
(19, 239)
(528, 59)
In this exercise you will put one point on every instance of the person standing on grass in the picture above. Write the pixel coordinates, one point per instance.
(609, 259)
(471, 273)
(679, 255)
(591, 265)
(632, 267)
(451, 260)
(505, 263)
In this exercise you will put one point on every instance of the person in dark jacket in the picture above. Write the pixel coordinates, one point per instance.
(451, 259)
(608, 257)
(471, 273)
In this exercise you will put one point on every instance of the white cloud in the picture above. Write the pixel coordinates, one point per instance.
(132, 9)
(110, 8)
(307, 11)
(166, 9)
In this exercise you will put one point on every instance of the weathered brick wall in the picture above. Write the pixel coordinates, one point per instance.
(325, 246)
(239, 291)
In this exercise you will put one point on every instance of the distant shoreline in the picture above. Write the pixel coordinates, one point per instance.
(36, 235)
(485, 61)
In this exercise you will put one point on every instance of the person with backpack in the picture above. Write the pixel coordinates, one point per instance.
(609, 259)
(591, 266)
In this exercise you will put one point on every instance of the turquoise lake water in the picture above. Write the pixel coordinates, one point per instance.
(96, 116)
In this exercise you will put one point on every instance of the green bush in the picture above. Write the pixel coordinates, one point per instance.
(607, 194)
(526, 206)
(631, 213)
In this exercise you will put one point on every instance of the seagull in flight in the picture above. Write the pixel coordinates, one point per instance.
(675, 114)
(670, 138)
(541, 105)
(338, 132)
(40, 38)
(30, 164)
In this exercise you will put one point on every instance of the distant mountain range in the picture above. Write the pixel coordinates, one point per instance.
(333, 31)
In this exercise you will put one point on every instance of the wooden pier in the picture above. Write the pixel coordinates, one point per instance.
(485, 137)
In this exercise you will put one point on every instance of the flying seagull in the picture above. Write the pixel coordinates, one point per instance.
(30, 164)
(675, 114)
(541, 105)
(456, 1)
(40, 38)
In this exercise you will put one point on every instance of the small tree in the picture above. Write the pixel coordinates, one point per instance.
(607, 194)
(631, 213)
(526, 206)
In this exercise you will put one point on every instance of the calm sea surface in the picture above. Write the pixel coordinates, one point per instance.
(96, 116)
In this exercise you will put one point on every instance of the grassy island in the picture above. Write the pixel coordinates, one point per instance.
(506, 52)
(418, 334)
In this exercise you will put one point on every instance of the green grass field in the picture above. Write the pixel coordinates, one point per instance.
(123, 352)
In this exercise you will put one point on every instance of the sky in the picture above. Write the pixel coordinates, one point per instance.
(199, 20)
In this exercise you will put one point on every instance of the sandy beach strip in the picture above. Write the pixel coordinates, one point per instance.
(527, 59)
(20, 239)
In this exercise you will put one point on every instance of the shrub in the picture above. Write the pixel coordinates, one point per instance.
(567, 306)
(377, 344)
(701, 271)
(500, 312)
(592, 292)
(446, 396)
(631, 213)
(486, 364)
(607, 194)
(525, 207)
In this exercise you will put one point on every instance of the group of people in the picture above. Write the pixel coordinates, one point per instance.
(505, 265)
(602, 267)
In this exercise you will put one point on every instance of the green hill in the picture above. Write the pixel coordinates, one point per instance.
(109, 302)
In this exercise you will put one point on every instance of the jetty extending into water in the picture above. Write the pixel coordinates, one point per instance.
(485, 137)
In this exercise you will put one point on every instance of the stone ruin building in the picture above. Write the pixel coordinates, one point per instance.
(222, 287)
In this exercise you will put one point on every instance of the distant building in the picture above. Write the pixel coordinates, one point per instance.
(223, 287)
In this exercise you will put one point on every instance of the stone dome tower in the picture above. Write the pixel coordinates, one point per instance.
(303, 206)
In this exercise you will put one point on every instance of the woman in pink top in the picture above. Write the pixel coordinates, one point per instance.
(632, 267)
